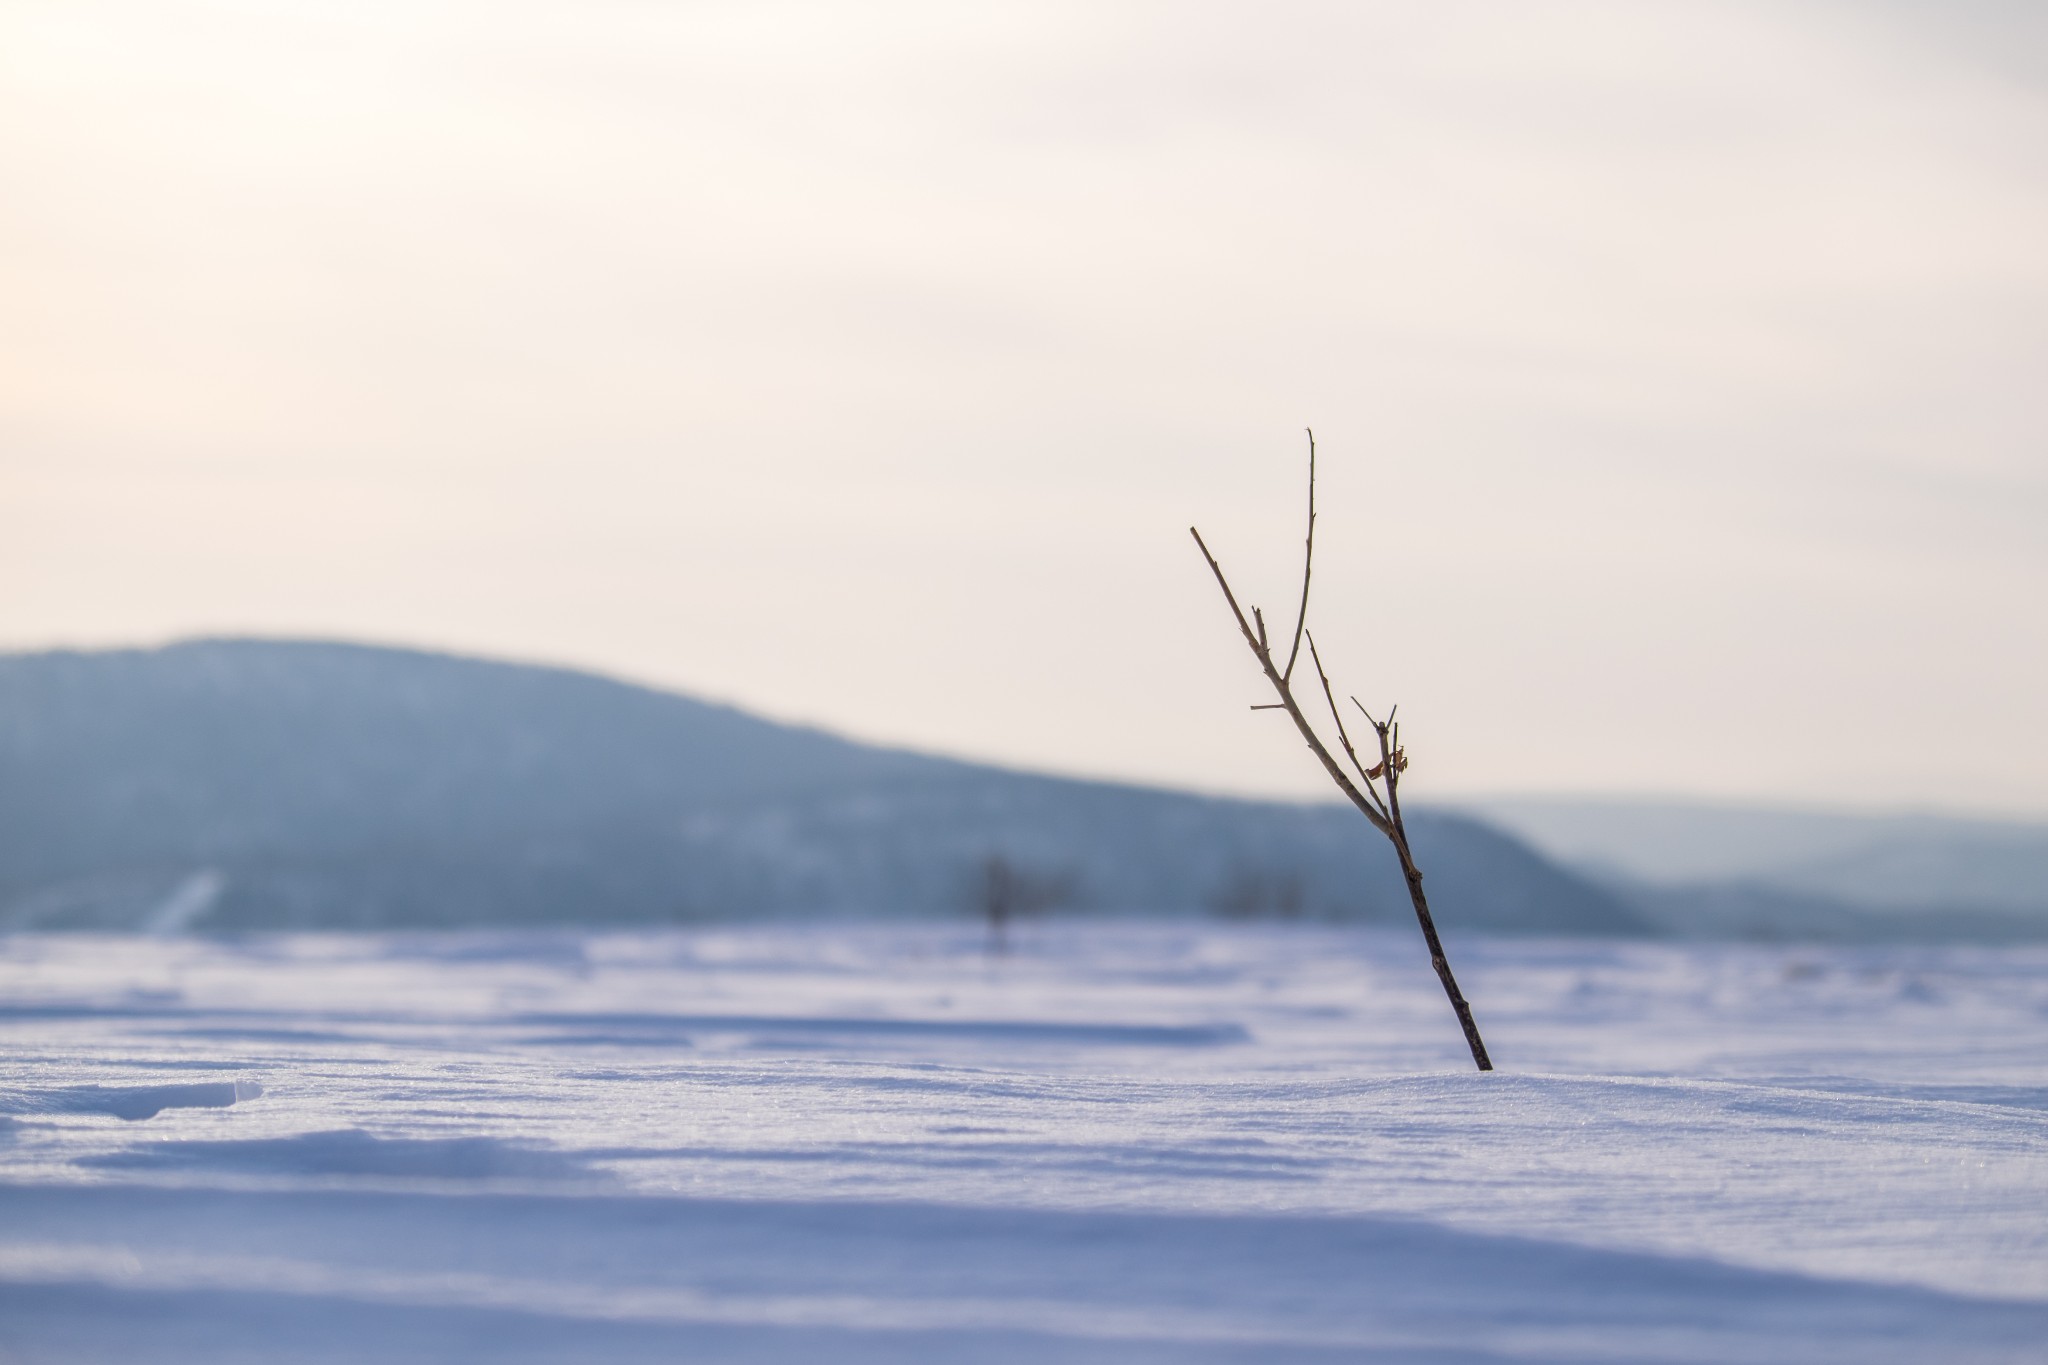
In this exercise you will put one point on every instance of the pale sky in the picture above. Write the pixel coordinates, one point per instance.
(1680, 371)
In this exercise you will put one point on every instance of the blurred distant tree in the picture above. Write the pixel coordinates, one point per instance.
(1376, 792)
(1005, 892)
(1258, 893)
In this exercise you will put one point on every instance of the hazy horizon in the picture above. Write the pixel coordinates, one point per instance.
(1675, 369)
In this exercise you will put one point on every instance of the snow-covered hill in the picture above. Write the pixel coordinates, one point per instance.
(254, 784)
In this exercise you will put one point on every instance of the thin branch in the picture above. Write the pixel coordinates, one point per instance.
(1379, 769)
(1343, 735)
(1228, 595)
(1308, 561)
(1384, 815)
(1285, 692)
(1390, 751)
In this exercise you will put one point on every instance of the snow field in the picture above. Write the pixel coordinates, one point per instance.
(1118, 1142)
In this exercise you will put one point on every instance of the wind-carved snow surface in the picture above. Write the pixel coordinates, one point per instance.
(1114, 1144)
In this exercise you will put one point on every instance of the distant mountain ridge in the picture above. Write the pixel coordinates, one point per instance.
(1759, 871)
(234, 784)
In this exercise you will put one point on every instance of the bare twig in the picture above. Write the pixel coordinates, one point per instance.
(1308, 561)
(1343, 735)
(1256, 639)
(1384, 814)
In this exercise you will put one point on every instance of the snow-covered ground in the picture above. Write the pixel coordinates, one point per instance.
(1123, 1143)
